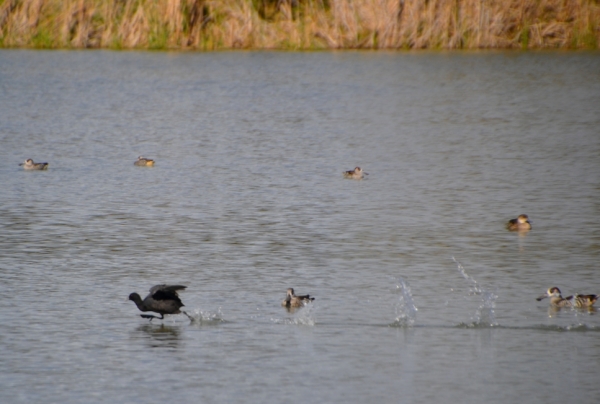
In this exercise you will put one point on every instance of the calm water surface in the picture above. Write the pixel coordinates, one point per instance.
(247, 199)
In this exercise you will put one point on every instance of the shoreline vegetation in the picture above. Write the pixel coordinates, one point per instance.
(300, 24)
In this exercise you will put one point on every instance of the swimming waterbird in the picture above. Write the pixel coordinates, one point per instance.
(519, 224)
(163, 299)
(144, 162)
(30, 165)
(356, 174)
(578, 300)
(291, 300)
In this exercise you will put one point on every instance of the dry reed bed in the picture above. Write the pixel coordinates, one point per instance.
(300, 24)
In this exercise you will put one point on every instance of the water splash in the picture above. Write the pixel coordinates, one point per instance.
(306, 315)
(484, 315)
(207, 317)
(301, 316)
(406, 311)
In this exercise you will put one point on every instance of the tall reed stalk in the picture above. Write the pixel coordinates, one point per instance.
(300, 24)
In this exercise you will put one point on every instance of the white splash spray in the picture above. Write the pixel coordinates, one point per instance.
(207, 317)
(406, 311)
(484, 315)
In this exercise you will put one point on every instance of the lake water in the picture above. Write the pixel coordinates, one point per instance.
(422, 295)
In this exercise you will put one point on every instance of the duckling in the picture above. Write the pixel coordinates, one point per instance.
(291, 300)
(30, 165)
(521, 223)
(163, 299)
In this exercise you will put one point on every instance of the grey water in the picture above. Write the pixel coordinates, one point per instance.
(421, 294)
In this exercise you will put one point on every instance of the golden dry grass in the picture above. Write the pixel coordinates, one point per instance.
(300, 24)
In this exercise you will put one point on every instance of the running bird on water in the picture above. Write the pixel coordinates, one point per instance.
(578, 300)
(30, 165)
(291, 300)
(356, 174)
(144, 162)
(519, 224)
(163, 299)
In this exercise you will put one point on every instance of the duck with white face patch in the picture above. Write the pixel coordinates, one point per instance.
(556, 299)
(521, 223)
(144, 162)
(356, 174)
(30, 165)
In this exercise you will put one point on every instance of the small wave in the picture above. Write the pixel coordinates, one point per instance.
(294, 321)
(400, 324)
(477, 325)
(540, 327)
(572, 327)
(484, 315)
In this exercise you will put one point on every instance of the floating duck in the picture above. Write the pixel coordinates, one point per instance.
(356, 174)
(144, 162)
(578, 300)
(521, 223)
(291, 300)
(30, 165)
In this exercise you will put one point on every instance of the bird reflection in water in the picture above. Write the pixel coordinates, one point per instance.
(160, 336)
(553, 310)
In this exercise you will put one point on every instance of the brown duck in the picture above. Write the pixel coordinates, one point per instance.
(521, 223)
(291, 300)
(144, 162)
(356, 174)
